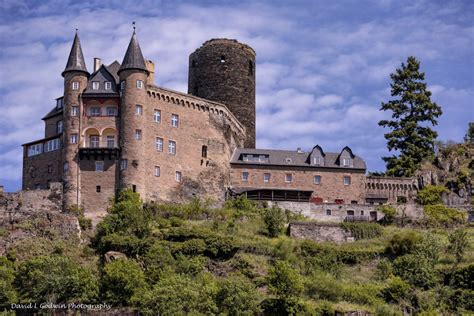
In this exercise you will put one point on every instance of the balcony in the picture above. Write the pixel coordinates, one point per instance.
(94, 153)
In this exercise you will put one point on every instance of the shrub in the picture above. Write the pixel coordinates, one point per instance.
(238, 296)
(323, 286)
(123, 282)
(431, 194)
(384, 269)
(274, 219)
(285, 307)
(401, 244)
(462, 278)
(365, 294)
(189, 247)
(7, 276)
(429, 246)
(458, 244)
(128, 244)
(55, 279)
(389, 211)
(190, 265)
(440, 215)
(242, 205)
(396, 291)
(416, 270)
(157, 260)
(283, 280)
(363, 230)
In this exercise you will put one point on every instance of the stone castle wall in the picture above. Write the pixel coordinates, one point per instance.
(319, 232)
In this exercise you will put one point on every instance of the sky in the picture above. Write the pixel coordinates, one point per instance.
(323, 67)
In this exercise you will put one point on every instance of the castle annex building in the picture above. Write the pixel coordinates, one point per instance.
(114, 129)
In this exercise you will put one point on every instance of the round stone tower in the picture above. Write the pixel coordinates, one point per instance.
(223, 70)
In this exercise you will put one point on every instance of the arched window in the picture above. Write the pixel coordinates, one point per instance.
(204, 151)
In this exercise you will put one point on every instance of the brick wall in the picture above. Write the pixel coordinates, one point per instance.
(50, 125)
(39, 169)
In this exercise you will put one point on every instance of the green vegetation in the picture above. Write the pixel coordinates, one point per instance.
(431, 195)
(236, 260)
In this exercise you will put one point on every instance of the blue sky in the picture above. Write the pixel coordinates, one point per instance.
(322, 66)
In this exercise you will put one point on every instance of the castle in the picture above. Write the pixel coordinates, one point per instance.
(114, 129)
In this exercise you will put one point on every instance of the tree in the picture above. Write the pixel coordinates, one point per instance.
(412, 113)
(458, 244)
(274, 219)
(469, 138)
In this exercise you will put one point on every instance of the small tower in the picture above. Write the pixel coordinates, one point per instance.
(133, 80)
(223, 70)
(75, 81)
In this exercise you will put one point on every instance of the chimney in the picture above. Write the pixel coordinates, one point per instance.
(299, 151)
(97, 63)
(150, 66)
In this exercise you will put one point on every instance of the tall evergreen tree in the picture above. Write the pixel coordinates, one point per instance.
(469, 138)
(412, 114)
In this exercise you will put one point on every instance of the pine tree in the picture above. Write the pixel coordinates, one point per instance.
(469, 138)
(412, 113)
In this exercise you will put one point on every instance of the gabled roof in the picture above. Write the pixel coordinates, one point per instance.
(101, 75)
(133, 57)
(298, 159)
(55, 111)
(320, 150)
(113, 69)
(75, 61)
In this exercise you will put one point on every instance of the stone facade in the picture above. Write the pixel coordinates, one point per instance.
(390, 189)
(318, 232)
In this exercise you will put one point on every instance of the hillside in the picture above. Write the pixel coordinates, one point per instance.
(237, 260)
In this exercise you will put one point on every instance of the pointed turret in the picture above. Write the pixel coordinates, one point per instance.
(133, 57)
(76, 61)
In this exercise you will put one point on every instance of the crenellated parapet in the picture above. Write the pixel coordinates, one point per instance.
(390, 189)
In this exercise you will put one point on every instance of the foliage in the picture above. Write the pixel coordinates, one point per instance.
(84, 223)
(321, 285)
(416, 270)
(274, 219)
(412, 112)
(469, 138)
(458, 244)
(462, 278)
(440, 215)
(238, 296)
(363, 230)
(55, 279)
(396, 291)
(285, 307)
(284, 281)
(389, 211)
(431, 194)
(401, 244)
(8, 293)
(429, 247)
(123, 282)
(384, 269)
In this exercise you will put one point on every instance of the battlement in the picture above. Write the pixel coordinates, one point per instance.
(194, 103)
(227, 41)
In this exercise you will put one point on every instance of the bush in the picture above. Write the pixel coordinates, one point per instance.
(55, 279)
(402, 244)
(7, 276)
(238, 296)
(389, 211)
(123, 282)
(285, 307)
(284, 281)
(429, 246)
(157, 260)
(363, 230)
(128, 244)
(440, 215)
(431, 194)
(458, 244)
(191, 247)
(364, 294)
(416, 270)
(462, 278)
(384, 269)
(396, 291)
(274, 219)
(321, 286)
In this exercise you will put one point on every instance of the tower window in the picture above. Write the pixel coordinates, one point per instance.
(178, 176)
(222, 59)
(122, 85)
(138, 134)
(138, 109)
(172, 147)
(250, 68)
(75, 85)
(123, 164)
(108, 85)
(157, 171)
(157, 116)
(75, 111)
(174, 120)
(328, 212)
(159, 144)
(97, 189)
(73, 138)
(95, 85)
(204, 151)
(134, 188)
(317, 179)
(193, 63)
(140, 84)
(66, 166)
(50, 168)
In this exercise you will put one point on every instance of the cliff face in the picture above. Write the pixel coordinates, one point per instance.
(36, 213)
(452, 167)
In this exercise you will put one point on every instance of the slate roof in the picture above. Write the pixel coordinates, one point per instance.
(75, 61)
(102, 75)
(298, 159)
(113, 68)
(133, 57)
(55, 111)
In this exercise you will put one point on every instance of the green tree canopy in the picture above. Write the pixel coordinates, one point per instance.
(412, 114)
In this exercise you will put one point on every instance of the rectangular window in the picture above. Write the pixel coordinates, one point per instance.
(73, 139)
(75, 111)
(111, 111)
(317, 160)
(266, 177)
(34, 150)
(157, 171)
(178, 176)
(51, 145)
(59, 103)
(138, 134)
(288, 178)
(66, 166)
(347, 180)
(346, 162)
(204, 151)
(140, 84)
(122, 85)
(108, 85)
(123, 164)
(95, 85)
(97, 189)
(245, 176)
(157, 116)
(317, 179)
(75, 85)
(59, 127)
(328, 212)
(172, 147)
(94, 111)
(174, 120)
(94, 141)
(99, 166)
(50, 168)
(110, 141)
(159, 144)
(138, 109)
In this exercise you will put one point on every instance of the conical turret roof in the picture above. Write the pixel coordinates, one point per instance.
(133, 57)
(76, 61)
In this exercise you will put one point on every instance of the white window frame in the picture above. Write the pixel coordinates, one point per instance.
(122, 85)
(74, 110)
(73, 139)
(95, 111)
(35, 149)
(178, 176)
(347, 182)
(157, 116)
(138, 109)
(59, 126)
(138, 134)
(139, 84)
(288, 178)
(172, 147)
(95, 85)
(317, 177)
(94, 141)
(245, 176)
(111, 111)
(75, 85)
(346, 162)
(157, 171)
(99, 166)
(52, 145)
(108, 85)
(123, 164)
(266, 177)
(159, 142)
(110, 141)
(175, 120)
(317, 160)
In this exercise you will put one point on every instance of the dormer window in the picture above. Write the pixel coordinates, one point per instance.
(59, 103)
(108, 85)
(346, 162)
(318, 161)
(95, 85)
